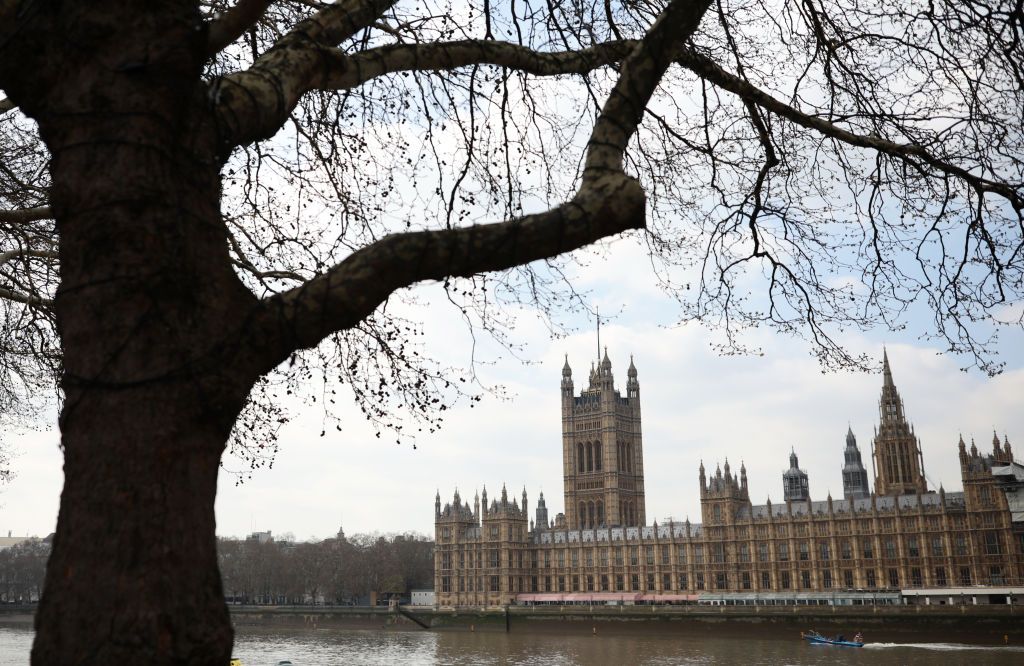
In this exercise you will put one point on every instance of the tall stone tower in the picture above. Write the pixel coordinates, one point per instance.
(602, 450)
(896, 451)
(855, 477)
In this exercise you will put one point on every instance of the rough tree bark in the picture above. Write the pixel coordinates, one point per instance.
(161, 341)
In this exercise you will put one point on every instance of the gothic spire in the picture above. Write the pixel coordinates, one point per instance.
(855, 476)
(886, 371)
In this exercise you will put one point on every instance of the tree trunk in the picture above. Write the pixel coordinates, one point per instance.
(148, 310)
(144, 589)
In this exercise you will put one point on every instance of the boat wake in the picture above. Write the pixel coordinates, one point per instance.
(947, 647)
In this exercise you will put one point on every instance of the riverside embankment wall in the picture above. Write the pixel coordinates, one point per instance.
(964, 623)
(982, 624)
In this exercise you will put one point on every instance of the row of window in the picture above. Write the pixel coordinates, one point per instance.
(719, 580)
(991, 544)
(820, 528)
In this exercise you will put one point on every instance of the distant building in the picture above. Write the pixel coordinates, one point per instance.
(11, 541)
(865, 546)
(260, 537)
(422, 598)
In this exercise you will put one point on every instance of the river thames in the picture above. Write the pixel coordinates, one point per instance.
(324, 647)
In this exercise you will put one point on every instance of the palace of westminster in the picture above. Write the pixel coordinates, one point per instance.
(901, 536)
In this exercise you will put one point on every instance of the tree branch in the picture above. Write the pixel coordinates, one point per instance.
(350, 291)
(14, 254)
(608, 202)
(640, 75)
(336, 23)
(27, 299)
(233, 23)
(710, 71)
(351, 71)
(24, 215)
(252, 104)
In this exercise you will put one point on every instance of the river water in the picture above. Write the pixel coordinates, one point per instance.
(323, 647)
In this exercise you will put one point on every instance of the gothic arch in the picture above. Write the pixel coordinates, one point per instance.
(597, 456)
(600, 513)
(629, 456)
(579, 457)
(590, 457)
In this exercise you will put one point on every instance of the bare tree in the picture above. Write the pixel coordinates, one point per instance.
(333, 570)
(207, 205)
(21, 571)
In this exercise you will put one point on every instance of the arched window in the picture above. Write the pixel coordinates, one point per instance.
(591, 515)
(579, 457)
(629, 456)
(583, 515)
(620, 454)
(590, 457)
(597, 456)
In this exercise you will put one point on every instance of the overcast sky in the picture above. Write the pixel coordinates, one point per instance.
(696, 406)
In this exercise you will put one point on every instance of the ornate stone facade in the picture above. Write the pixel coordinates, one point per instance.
(902, 536)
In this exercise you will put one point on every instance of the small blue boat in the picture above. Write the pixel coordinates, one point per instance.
(814, 638)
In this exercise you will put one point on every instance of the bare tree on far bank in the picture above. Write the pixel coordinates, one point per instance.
(204, 206)
(346, 570)
(332, 571)
(22, 568)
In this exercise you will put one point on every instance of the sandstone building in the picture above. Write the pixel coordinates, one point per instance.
(903, 535)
